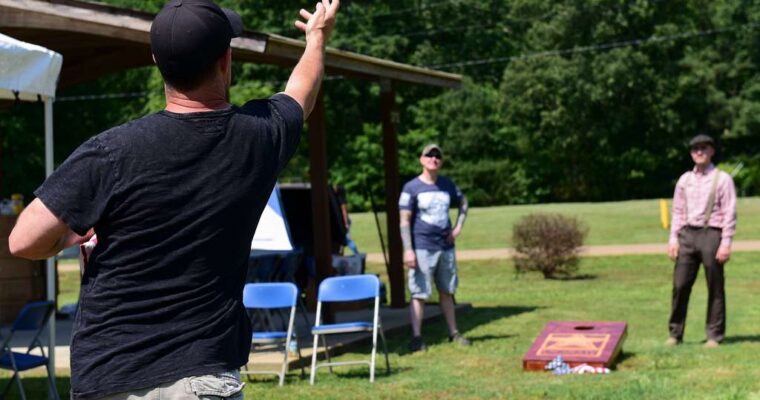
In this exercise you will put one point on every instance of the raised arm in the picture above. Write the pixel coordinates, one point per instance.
(304, 82)
(39, 234)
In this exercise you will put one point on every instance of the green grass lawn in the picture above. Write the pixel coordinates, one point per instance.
(625, 222)
(509, 312)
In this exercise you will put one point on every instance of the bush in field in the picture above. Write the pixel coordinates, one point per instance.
(548, 243)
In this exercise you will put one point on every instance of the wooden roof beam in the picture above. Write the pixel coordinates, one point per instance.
(35, 16)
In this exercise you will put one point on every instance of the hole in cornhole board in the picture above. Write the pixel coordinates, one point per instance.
(584, 328)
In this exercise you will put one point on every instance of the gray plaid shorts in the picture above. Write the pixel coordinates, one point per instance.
(438, 265)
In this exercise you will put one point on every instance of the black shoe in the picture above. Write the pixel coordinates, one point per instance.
(417, 344)
(459, 339)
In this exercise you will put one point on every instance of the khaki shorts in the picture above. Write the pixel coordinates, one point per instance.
(438, 265)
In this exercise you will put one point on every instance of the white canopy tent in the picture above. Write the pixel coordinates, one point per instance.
(30, 73)
(273, 231)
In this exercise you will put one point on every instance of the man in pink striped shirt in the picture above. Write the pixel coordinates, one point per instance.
(704, 223)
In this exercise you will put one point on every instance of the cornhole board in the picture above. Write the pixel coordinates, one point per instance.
(578, 342)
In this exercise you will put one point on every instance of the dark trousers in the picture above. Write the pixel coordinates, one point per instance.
(698, 245)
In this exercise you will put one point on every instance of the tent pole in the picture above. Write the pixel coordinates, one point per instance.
(51, 273)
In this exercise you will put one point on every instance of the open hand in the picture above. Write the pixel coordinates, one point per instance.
(320, 23)
(70, 238)
(410, 259)
(673, 251)
(723, 254)
(453, 234)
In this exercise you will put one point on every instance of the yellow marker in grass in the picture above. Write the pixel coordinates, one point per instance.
(664, 214)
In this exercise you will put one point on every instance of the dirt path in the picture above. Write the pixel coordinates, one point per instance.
(591, 251)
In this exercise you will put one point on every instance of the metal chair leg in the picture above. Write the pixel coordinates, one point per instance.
(7, 387)
(20, 387)
(53, 388)
(372, 359)
(284, 368)
(327, 353)
(17, 376)
(385, 350)
(313, 371)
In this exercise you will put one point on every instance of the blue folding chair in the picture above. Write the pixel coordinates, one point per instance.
(341, 289)
(33, 317)
(266, 297)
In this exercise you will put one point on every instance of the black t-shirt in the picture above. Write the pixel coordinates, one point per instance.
(175, 200)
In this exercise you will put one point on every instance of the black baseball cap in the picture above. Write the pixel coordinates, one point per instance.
(187, 36)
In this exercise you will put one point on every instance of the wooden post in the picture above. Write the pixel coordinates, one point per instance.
(392, 192)
(320, 210)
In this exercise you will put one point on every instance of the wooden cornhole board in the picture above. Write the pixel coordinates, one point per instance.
(578, 342)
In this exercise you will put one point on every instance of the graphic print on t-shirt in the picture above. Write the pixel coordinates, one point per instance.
(429, 204)
(434, 208)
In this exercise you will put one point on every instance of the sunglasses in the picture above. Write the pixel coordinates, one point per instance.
(434, 155)
(700, 147)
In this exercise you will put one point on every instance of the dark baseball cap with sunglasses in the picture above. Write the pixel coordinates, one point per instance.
(432, 150)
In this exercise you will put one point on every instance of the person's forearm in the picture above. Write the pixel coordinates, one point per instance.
(462, 213)
(405, 227)
(40, 251)
(306, 78)
(460, 220)
(678, 217)
(406, 237)
(37, 234)
(728, 200)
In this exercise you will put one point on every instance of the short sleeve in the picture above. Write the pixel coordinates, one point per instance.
(406, 199)
(290, 112)
(288, 123)
(457, 195)
(79, 191)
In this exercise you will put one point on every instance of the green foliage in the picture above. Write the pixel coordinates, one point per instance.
(610, 124)
(562, 100)
(548, 243)
(23, 131)
(479, 150)
(22, 157)
(746, 174)
(491, 182)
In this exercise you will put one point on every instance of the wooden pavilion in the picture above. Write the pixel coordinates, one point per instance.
(97, 39)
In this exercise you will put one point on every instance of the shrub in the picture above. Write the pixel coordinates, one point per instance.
(492, 182)
(548, 243)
